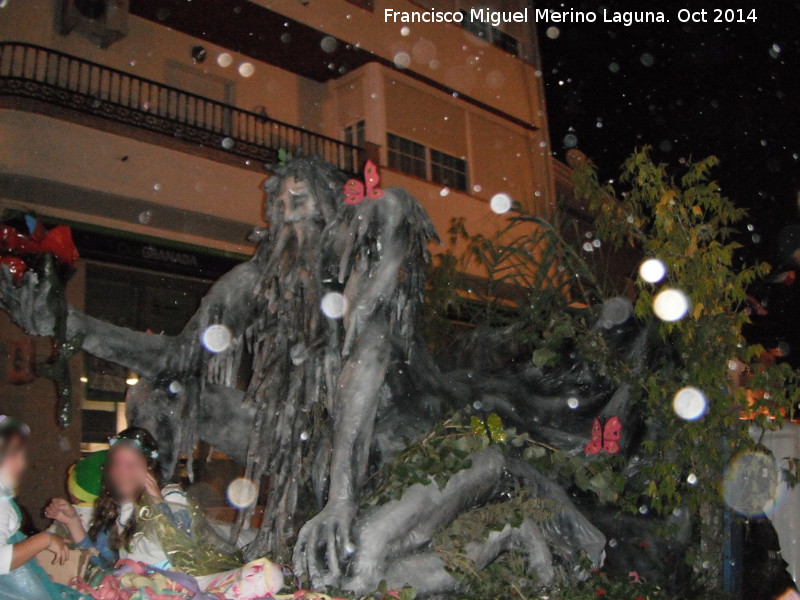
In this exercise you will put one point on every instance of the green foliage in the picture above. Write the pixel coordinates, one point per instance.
(534, 282)
(507, 576)
(689, 225)
(442, 453)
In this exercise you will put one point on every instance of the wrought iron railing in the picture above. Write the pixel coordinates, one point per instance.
(30, 71)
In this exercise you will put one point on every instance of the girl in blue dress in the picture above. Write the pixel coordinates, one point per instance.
(21, 577)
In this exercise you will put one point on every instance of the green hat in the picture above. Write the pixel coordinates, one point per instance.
(85, 477)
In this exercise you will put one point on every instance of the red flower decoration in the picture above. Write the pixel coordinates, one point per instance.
(15, 247)
(601, 592)
(16, 265)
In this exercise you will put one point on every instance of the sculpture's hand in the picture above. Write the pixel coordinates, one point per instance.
(27, 302)
(323, 544)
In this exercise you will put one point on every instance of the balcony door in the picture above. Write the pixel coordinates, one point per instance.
(192, 79)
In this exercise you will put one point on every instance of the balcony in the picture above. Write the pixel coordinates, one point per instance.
(43, 80)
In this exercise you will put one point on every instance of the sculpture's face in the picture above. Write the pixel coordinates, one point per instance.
(297, 201)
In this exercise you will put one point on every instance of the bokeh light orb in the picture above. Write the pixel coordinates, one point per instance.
(329, 44)
(553, 32)
(753, 484)
(689, 403)
(616, 311)
(500, 203)
(224, 59)
(246, 69)
(242, 493)
(652, 270)
(402, 60)
(217, 338)
(333, 305)
(671, 305)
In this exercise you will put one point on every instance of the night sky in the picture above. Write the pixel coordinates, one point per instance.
(691, 90)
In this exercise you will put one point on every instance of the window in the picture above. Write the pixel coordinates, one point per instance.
(485, 31)
(135, 298)
(477, 28)
(355, 135)
(426, 163)
(407, 156)
(505, 42)
(448, 170)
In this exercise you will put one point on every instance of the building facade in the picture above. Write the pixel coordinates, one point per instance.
(146, 125)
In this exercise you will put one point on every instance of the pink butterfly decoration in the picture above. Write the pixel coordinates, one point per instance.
(605, 436)
(355, 192)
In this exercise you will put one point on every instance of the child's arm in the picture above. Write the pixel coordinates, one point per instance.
(63, 512)
(27, 549)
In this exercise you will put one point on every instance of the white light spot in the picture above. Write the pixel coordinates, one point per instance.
(242, 493)
(476, 188)
(217, 338)
(689, 403)
(587, 247)
(304, 436)
(652, 270)
(671, 305)
(405, 31)
(643, 510)
(445, 191)
(132, 379)
(500, 203)
(224, 59)
(175, 387)
(157, 187)
(552, 32)
(573, 403)
(402, 60)
(145, 217)
(246, 69)
(227, 143)
(333, 305)
(691, 479)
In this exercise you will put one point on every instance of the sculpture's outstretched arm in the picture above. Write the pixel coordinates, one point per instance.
(230, 302)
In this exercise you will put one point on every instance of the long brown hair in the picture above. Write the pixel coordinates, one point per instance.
(106, 507)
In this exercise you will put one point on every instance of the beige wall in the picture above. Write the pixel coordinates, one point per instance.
(149, 50)
(502, 157)
(442, 52)
(89, 163)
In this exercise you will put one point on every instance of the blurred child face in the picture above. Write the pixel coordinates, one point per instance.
(15, 459)
(126, 470)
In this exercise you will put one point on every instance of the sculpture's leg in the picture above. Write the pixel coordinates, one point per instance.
(402, 526)
(568, 531)
(427, 573)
